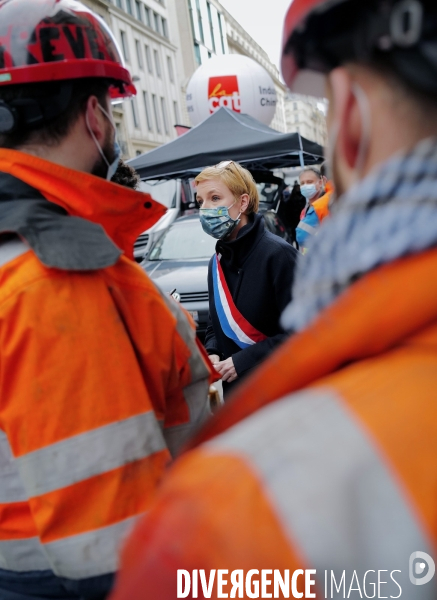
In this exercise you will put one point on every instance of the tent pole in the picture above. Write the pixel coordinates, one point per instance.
(302, 162)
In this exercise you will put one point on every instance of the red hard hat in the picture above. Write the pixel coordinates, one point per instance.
(58, 40)
(320, 35)
(310, 83)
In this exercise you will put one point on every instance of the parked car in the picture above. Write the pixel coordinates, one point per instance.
(178, 260)
(177, 196)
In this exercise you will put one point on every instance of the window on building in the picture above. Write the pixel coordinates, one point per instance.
(147, 111)
(135, 112)
(129, 7)
(170, 69)
(148, 59)
(157, 63)
(211, 26)
(199, 20)
(121, 140)
(139, 55)
(137, 152)
(157, 22)
(164, 27)
(222, 30)
(197, 53)
(192, 20)
(176, 111)
(295, 105)
(147, 15)
(156, 113)
(124, 45)
(119, 4)
(164, 116)
(138, 10)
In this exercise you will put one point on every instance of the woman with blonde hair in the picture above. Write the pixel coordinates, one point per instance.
(249, 277)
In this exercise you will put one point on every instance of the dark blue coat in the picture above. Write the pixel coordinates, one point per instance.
(258, 267)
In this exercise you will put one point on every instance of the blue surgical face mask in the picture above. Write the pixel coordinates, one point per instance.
(217, 221)
(308, 191)
(112, 167)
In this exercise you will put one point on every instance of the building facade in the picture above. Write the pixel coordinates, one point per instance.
(207, 29)
(306, 116)
(240, 42)
(163, 43)
(149, 41)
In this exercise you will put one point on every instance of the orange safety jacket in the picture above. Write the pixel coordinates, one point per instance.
(100, 377)
(322, 205)
(312, 217)
(325, 460)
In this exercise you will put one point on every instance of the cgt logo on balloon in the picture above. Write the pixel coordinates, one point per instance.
(224, 92)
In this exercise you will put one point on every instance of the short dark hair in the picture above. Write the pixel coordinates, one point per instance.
(126, 175)
(51, 132)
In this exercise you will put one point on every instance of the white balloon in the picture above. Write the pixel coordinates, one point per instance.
(234, 81)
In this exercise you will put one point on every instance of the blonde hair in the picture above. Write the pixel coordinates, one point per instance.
(238, 179)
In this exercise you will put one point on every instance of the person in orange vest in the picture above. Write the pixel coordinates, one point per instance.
(322, 205)
(313, 215)
(318, 479)
(101, 380)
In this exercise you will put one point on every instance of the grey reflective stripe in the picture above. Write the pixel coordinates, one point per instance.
(196, 396)
(197, 365)
(305, 227)
(177, 436)
(11, 249)
(23, 555)
(92, 453)
(196, 393)
(337, 500)
(11, 486)
(89, 554)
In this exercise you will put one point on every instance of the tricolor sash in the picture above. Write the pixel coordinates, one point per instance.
(234, 325)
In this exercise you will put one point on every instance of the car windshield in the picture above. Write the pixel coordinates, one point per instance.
(183, 240)
(163, 192)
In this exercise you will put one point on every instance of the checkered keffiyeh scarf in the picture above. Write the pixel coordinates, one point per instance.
(391, 213)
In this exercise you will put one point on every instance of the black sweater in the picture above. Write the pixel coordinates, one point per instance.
(258, 267)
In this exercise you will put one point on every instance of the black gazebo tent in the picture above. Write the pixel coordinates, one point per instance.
(227, 135)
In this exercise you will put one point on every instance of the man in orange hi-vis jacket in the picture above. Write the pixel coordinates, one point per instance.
(101, 380)
(319, 478)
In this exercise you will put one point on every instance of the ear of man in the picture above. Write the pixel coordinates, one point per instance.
(96, 119)
(345, 112)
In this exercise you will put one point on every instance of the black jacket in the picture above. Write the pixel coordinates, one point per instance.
(258, 267)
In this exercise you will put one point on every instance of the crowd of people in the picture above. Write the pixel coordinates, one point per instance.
(322, 463)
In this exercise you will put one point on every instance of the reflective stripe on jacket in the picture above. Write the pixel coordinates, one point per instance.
(100, 377)
(326, 460)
